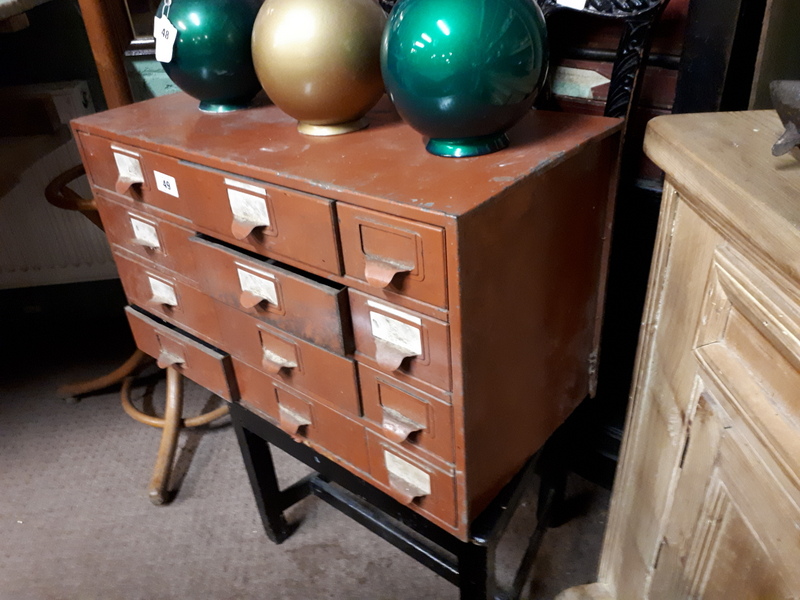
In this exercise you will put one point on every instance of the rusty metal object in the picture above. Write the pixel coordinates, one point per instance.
(786, 100)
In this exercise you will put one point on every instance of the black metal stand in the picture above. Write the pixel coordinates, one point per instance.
(469, 565)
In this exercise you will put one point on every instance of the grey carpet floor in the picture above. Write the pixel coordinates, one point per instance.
(75, 521)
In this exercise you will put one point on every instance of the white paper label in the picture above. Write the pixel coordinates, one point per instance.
(258, 286)
(165, 34)
(577, 83)
(248, 208)
(395, 312)
(163, 292)
(129, 167)
(415, 476)
(166, 183)
(245, 186)
(576, 4)
(396, 332)
(145, 233)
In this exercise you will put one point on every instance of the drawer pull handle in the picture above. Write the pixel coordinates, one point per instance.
(168, 359)
(145, 244)
(379, 272)
(407, 480)
(126, 182)
(291, 422)
(250, 300)
(390, 356)
(397, 427)
(240, 229)
(273, 362)
(405, 491)
(162, 301)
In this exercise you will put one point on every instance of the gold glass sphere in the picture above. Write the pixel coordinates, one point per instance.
(319, 61)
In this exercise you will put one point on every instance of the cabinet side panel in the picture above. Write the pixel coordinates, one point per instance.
(530, 271)
(662, 399)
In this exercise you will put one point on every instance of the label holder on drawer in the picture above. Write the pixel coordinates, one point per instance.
(171, 353)
(292, 421)
(145, 233)
(408, 481)
(163, 293)
(278, 353)
(129, 170)
(249, 211)
(397, 426)
(257, 287)
(395, 339)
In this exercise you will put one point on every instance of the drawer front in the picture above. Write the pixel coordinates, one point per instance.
(148, 237)
(406, 344)
(266, 219)
(407, 416)
(303, 418)
(201, 363)
(425, 488)
(314, 310)
(163, 294)
(292, 361)
(394, 255)
(135, 174)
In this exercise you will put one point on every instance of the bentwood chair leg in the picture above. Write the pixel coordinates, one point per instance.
(73, 390)
(169, 438)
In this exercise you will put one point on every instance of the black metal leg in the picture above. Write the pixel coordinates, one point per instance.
(261, 471)
(473, 572)
(552, 490)
(468, 564)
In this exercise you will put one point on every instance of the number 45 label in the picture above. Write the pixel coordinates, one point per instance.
(165, 34)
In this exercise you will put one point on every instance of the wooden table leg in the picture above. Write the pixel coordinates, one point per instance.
(73, 390)
(169, 438)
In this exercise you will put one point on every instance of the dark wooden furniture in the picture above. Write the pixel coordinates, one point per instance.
(426, 323)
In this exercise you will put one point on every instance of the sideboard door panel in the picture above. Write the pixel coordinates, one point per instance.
(731, 520)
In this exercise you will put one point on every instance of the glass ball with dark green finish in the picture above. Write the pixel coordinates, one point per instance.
(461, 72)
(211, 58)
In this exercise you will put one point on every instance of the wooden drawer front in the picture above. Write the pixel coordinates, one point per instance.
(266, 219)
(147, 236)
(404, 343)
(303, 418)
(314, 310)
(199, 362)
(407, 416)
(162, 293)
(428, 489)
(393, 254)
(294, 362)
(135, 174)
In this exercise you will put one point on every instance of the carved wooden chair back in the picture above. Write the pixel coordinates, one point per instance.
(638, 18)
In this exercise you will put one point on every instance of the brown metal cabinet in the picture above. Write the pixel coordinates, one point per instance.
(426, 322)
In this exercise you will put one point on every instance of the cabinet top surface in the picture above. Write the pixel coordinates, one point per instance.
(387, 160)
(723, 161)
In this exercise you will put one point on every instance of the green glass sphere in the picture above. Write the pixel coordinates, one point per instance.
(211, 58)
(461, 72)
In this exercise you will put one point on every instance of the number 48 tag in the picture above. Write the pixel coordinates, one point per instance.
(165, 34)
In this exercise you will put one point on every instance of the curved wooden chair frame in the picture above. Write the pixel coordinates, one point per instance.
(59, 194)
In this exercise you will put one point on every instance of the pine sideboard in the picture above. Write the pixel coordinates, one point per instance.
(424, 322)
(706, 503)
